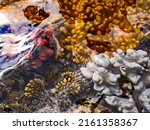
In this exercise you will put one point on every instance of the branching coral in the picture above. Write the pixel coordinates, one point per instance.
(92, 26)
(123, 79)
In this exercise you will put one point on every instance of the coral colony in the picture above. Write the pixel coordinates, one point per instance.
(75, 56)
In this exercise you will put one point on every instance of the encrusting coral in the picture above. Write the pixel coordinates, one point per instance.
(67, 82)
(33, 87)
(123, 79)
(65, 89)
(69, 88)
(100, 25)
(145, 99)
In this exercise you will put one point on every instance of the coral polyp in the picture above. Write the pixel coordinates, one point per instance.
(100, 25)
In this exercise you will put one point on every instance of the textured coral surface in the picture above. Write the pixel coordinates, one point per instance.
(122, 79)
(96, 24)
(78, 56)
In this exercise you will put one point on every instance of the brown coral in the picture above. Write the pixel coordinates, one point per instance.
(68, 83)
(5, 108)
(33, 87)
(34, 14)
(89, 106)
(91, 24)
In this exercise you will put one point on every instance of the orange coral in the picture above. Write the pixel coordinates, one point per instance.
(91, 24)
(34, 14)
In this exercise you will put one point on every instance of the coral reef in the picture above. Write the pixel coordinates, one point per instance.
(103, 27)
(68, 88)
(46, 47)
(123, 79)
(82, 10)
(38, 46)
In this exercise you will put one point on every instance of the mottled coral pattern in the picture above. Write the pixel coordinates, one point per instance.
(74, 56)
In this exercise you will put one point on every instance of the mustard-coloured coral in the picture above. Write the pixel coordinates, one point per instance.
(33, 87)
(5, 108)
(68, 83)
(91, 26)
(103, 14)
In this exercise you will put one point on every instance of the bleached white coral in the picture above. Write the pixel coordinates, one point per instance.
(124, 105)
(121, 78)
(145, 99)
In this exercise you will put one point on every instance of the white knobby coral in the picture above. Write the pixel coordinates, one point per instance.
(145, 99)
(124, 105)
(121, 77)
